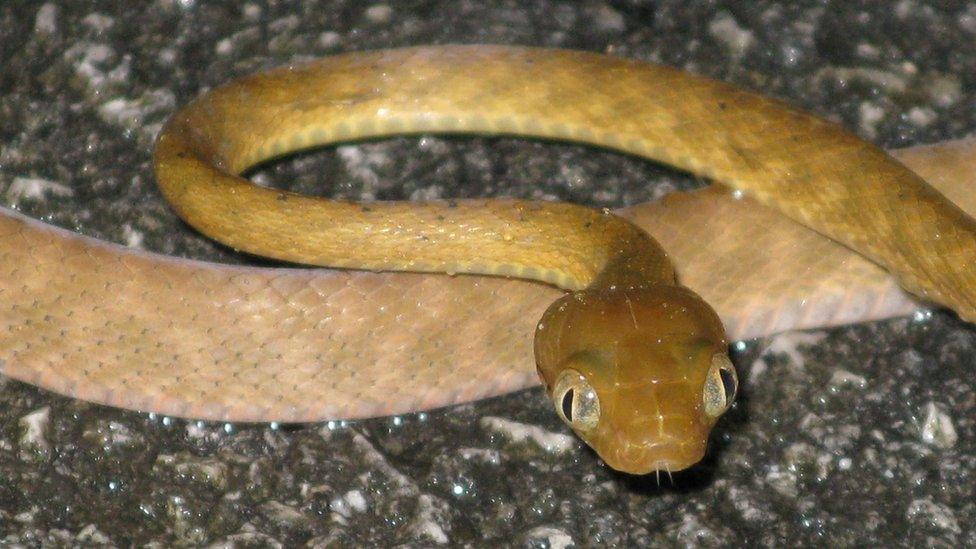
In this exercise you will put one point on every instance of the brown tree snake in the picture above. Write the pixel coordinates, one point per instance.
(635, 363)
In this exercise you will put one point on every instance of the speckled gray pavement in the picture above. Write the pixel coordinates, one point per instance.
(856, 436)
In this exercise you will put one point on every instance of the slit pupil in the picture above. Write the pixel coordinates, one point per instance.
(567, 405)
(728, 381)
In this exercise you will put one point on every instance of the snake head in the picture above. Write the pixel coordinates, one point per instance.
(640, 375)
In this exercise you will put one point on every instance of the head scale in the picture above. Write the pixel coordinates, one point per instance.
(641, 375)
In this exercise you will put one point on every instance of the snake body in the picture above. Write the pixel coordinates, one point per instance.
(633, 361)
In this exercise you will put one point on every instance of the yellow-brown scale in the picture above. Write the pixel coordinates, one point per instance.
(633, 362)
(610, 266)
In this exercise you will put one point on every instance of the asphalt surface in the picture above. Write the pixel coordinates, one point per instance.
(856, 436)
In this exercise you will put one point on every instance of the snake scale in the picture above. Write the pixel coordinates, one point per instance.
(633, 361)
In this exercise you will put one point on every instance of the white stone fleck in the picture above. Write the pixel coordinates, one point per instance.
(27, 516)
(34, 425)
(606, 19)
(211, 472)
(329, 40)
(345, 504)
(867, 51)
(727, 31)
(35, 188)
(359, 161)
(379, 13)
(788, 343)
(487, 456)
(224, 47)
(131, 113)
(921, 116)
(945, 90)
(285, 24)
(521, 432)
(937, 428)
(96, 64)
(46, 20)
(934, 514)
(692, 532)
(356, 500)
(783, 482)
(133, 237)
(967, 19)
(425, 525)
(843, 378)
(556, 538)
(252, 12)
(98, 22)
(284, 515)
(90, 535)
(405, 485)
(117, 434)
(870, 114)
(888, 81)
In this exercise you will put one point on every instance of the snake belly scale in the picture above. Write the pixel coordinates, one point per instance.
(633, 362)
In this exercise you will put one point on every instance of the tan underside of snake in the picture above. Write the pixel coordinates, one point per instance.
(138, 330)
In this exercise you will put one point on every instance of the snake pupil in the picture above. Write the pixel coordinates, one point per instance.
(729, 382)
(567, 405)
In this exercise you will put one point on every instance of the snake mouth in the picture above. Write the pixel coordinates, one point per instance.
(659, 456)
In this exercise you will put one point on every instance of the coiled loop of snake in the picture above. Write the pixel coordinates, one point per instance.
(634, 363)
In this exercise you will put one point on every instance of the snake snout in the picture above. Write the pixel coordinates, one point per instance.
(662, 455)
(668, 444)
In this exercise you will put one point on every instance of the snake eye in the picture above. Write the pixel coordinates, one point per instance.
(721, 385)
(576, 401)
